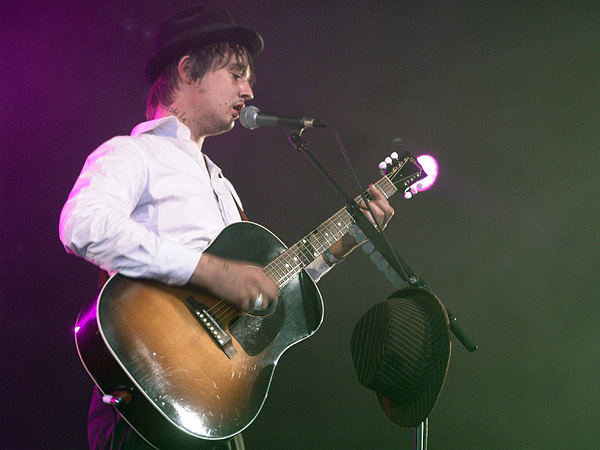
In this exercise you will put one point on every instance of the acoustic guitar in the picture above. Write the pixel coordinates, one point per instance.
(189, 371)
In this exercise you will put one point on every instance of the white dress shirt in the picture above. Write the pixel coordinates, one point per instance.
(148, 205)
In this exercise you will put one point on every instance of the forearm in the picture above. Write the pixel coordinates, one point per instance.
(383, 212)
(236, 282)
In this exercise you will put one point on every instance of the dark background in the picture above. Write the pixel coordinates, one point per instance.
(505, 94)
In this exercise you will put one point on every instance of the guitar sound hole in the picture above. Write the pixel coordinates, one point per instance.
(266, 311)
(255, 332)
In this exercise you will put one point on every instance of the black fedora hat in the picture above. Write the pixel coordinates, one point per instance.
(194, 27)
(401, 350)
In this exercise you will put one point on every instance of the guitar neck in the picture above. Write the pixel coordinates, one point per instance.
(286, 266)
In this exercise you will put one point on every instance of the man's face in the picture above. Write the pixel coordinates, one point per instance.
(219, 97)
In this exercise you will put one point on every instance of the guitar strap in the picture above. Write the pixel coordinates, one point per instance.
(104, 276)
(242, 213)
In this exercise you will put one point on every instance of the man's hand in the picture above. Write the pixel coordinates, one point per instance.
(235, 282)
(379, 205)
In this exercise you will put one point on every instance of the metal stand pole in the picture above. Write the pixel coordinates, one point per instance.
(421, 435)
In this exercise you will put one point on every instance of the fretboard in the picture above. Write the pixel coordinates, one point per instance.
(286, 266)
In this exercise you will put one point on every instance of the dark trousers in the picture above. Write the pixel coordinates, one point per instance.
(106, 427)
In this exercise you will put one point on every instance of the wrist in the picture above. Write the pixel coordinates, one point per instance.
(330, 258)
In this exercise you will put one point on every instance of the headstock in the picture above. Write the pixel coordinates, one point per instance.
(403, 172)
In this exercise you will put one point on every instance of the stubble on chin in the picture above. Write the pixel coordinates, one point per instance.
(213, 126)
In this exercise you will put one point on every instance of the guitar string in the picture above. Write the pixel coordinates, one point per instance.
(292, 265)
(288, 263)
(223, 309)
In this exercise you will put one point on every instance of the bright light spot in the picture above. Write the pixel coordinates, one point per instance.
(430, 166)
(76, 329)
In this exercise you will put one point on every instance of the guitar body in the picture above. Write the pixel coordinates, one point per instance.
(195, 370)
(187, 390)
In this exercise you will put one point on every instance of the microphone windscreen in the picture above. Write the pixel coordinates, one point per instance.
(248, 117)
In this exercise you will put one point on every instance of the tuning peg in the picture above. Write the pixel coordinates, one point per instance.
(382, 167)
(412, 190)
(394, 156)
(388, 161)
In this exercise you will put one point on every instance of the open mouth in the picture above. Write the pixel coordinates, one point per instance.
(238, 108)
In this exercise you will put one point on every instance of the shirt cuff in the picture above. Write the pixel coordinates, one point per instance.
(317, 268)
(173, 264)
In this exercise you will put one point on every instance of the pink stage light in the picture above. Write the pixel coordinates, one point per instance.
(431, 168)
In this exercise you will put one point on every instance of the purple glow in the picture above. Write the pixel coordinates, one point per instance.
(84, 317)
(430, 166)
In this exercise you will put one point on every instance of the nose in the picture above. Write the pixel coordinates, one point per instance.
(246, 91)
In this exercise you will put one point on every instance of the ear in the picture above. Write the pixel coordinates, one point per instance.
(183, 70)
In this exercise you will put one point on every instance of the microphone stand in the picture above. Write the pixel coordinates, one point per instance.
(421, 435)
(377, 238)
(381, 243)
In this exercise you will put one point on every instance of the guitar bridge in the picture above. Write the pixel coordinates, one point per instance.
(212, 325)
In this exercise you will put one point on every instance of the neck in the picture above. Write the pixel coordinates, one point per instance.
(174, 110)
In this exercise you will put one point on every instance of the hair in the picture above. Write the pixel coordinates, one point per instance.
(202, 60)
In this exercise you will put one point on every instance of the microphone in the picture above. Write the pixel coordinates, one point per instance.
(251, 117)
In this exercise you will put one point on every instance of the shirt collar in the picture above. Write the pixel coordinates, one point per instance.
(165, 126)
(170, 126)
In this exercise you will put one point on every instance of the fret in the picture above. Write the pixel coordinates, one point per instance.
(326, 239)
(308, 248)
(299, 257)
(274, 270)
(304, 253)
(337, 223)
(286, 266)
(387, 187)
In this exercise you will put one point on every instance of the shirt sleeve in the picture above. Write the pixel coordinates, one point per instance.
(317, 268)
(95, 222)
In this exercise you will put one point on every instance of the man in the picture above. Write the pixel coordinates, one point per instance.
(149, 204)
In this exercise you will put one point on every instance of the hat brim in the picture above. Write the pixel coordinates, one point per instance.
(410, 413)
(243, 36)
